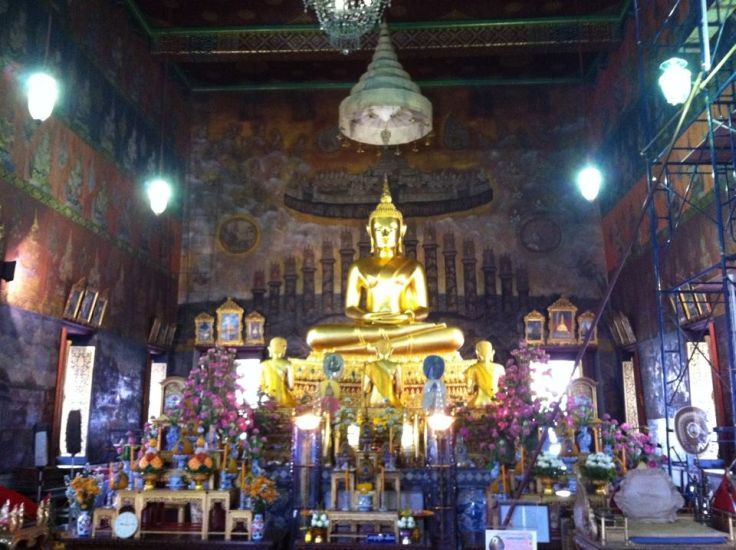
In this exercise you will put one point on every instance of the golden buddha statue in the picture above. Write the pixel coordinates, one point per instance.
(395, 291)
(277, 374)
(382, 379)
(482, 376)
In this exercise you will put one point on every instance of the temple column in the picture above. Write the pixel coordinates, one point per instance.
(328, 277)
(259, 290)
(430, 265)
(506, 275)
(449, 252)
(274, 290)
(469, 277)
(308, 270)
(522, 288)
(290, 277)
(489, 278)
(346, 258)
(364, 245)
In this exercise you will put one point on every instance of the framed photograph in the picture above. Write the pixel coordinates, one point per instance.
(170, 333)
(98, 314)
(155, 328)
(74, 300)
(230, 324)
(528, 517)
(561, 328)
(534, 328)
(162, 334)
(87, 306)
(204, 330)
(510, 539)
(254, 333)
(585, 324)
(623, 327)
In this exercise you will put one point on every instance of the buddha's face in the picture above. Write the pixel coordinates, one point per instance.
(277, 348)
(386, 232)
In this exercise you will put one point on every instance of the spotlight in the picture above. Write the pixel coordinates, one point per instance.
(675, 80)
(42, 95)
(7, 271)
(589, 182)
(159, 193)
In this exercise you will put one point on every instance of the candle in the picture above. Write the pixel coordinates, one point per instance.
(347, 478)
(242, 475)
(224, 456)
(523, 458)
(159, 436)
(390, 439)
(383, 478)
(416, 437)
(503, 479)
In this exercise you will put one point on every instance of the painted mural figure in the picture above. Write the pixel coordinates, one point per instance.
(482, 377)
(395, 291)
(277, 374)
(381, 381)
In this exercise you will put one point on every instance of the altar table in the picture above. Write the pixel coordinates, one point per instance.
(139, 499)
(355, 519)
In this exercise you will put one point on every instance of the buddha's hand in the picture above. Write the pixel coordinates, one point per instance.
(388, 318)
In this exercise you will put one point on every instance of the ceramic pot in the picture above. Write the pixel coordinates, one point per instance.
(257, 527)
(84, 523)
(365, 502)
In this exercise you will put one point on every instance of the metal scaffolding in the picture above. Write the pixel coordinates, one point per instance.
(690, 156)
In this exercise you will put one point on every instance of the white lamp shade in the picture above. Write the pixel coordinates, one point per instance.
(353, 435)
(42, 95)
(159, 193)
(675, 80)
(307, 422)
(439, 421)
(589, 182)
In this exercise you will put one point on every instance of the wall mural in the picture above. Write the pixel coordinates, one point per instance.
(494, 216)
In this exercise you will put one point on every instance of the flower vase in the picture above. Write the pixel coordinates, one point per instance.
(548, 486)
(226, 480)
(84, 523)
(584, 440)
(601, 487)
(257, 527)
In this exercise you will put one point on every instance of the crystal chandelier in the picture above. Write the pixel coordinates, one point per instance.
(346, 21)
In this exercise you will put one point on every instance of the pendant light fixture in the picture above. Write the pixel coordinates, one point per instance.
(345, 22)
(159, 189)
(41, 88)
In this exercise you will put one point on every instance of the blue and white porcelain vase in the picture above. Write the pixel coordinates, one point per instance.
(584, 440)
(84, 523)
(257, 527)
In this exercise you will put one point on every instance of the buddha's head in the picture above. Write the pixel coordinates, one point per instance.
(484, 351)
(277, 348)
(386, 224)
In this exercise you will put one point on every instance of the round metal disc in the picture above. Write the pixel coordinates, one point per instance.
(434, 367)
(691, 428)
(333, 365)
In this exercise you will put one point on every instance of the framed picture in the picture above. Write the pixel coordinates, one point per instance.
(561, 328)
(170, 333)
(528, 517)
(155, 328)
(87, 306)
(585, 325)
(254, 322)
(98, 314)
(162, 334)
(585, 389)
(534, 328)
(623, 327)
(74, 300)
(230, 324)
(204, 330)
(172, 390)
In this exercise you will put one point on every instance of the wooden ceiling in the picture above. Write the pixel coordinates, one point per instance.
(224, 45)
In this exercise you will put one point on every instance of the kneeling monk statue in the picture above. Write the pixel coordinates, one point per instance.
(395, 291)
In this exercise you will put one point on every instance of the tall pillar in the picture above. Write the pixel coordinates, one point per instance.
(411, 242)
(430, 265)
(469, 277)
(346, 258)
(290, 277)
(489, 278)
(308, 270)
(259, 291)
(449, 252)
(506, 275)
(274, 290)
(364, 245)
(328, 277)
(522, 288)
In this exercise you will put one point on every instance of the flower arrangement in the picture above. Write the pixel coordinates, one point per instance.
(579, 411)
(548, 465)
(599, 466)
(150, 461)
(319, 520)
(262, 490)
(209, 396)
(406, 522)
(365, 487)
(85, 488)
(515, 416)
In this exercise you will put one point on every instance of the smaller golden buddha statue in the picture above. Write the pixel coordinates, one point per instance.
(382, 378)
(482, 377)
(277, 374)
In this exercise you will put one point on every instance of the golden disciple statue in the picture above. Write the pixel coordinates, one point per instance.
(394, 288)
(482, 376)
(382, 379)
(277, 374)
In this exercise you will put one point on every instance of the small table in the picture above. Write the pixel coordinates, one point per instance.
(348, 480)
(233, 518)
(355, 519)
(392, 478)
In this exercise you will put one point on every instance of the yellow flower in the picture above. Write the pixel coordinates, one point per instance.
(365, 487)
